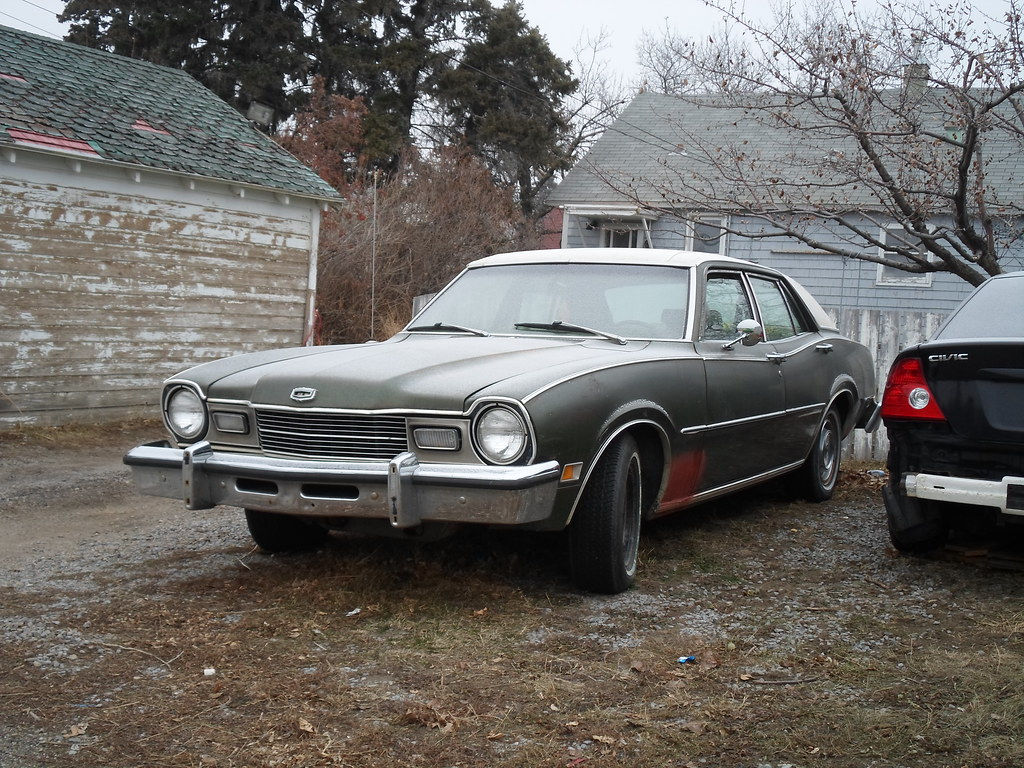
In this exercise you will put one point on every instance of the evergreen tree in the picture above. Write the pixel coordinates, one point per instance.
(387, 52)
(504, 99)
(243, 50)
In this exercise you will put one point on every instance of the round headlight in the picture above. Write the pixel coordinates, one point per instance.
(186, 415)
(501, 435)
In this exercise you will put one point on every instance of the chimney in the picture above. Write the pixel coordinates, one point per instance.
(916, 75)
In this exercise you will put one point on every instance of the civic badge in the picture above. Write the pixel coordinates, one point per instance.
(302, 394)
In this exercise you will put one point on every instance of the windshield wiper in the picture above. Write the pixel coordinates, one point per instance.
(561, 325)
(448, 327)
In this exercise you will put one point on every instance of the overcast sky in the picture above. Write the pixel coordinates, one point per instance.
(565, 23)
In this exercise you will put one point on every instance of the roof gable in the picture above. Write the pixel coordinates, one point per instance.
(661, 146)
(56, 95)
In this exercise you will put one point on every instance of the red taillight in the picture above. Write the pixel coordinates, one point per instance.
(907, 395)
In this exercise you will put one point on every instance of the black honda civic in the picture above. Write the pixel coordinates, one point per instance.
(954, 410)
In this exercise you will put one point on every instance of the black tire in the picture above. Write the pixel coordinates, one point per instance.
(816, 479)
(915, 527)
(604, 536)
(274, 532)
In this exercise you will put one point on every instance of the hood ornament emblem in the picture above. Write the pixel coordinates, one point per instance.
(302, 394)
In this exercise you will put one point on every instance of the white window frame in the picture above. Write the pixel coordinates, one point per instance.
(885, 276)
(639, 233)
(722, 221)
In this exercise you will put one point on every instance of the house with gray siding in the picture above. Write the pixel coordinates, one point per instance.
(621, 194)
(145, 227)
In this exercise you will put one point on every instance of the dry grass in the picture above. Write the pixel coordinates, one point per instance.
(475, 651)
(72, 436)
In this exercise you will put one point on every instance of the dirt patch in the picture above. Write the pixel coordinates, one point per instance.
(169, 641)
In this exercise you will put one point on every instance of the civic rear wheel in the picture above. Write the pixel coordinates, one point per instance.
(274, 532)
(604, 537)
(915, 526)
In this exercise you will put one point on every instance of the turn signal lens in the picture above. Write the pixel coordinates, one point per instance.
(907, 395)
(437, 438)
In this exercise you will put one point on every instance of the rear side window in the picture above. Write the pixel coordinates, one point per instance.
(994, 311)
(778, 316)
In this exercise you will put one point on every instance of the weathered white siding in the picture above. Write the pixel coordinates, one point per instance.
(110, 284)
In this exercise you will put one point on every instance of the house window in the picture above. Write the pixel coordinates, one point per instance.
(897, 237)
(623, 235)
(707, 235)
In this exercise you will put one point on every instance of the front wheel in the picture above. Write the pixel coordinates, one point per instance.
(275, 532)
(604, 537)
(816, 479)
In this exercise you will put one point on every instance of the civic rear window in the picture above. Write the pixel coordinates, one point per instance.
(994, 311)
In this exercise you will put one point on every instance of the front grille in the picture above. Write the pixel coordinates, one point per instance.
(331, 435)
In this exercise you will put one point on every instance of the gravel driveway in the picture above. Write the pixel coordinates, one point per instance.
(135, 633)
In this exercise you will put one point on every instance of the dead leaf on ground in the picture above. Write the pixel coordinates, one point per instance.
(76, 730)
(603, 739)
(305, 726)
(429, 717)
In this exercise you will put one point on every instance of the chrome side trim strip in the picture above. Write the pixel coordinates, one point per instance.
(802, 408)
(738, 484)
(749, 419)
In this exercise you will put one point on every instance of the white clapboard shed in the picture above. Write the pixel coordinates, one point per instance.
(145, 226)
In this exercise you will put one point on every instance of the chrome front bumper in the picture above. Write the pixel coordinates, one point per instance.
(401, 490)
(1007, 494)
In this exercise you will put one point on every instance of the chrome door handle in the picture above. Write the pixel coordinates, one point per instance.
(826, 348)
(776, 358)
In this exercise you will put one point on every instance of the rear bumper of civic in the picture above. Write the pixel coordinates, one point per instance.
(1007, 495)
(401, 490)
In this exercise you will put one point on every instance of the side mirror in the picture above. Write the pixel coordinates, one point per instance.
(750, 334)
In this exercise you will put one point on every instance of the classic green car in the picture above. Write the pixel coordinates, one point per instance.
(588, 389)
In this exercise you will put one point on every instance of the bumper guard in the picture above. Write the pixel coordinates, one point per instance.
(401, 490)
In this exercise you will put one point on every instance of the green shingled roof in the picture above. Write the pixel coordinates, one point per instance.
(69, 92)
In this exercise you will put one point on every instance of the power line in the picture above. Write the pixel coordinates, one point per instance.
(657, 143)
(29, 24)
(660, 145)
(41, 8)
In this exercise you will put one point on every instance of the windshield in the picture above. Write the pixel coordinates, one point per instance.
(994, 311)
(634, 301)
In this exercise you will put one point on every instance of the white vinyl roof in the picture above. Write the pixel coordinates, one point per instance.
(651, 256)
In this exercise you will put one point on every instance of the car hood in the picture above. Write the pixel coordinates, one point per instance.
(415, 371)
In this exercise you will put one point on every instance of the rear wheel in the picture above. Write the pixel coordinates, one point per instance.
(915, 526)
(604, 537)
(274, 532)
(816, 479)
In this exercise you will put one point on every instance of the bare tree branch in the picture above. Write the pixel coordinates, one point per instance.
(859, 121)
